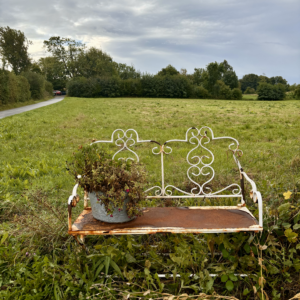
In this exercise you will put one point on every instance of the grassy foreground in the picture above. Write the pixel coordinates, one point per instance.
(35, 185)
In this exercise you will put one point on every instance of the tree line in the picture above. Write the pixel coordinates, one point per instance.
(22, 83)
(90, 72)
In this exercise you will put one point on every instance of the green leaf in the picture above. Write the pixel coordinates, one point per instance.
(225, 253)
(224, 278)
(106, 264)
(147, 272)
(291, 236)
(129, 245)
(209, 284)
(229, 285)
(286, 225)
(283, 208)
(4, 237)
(297, 218)
(297, 226)
(130, 258)
(246, 292)
(98, 271)
(233, 277)
(298, 246)
(247, 248)
(116, 268)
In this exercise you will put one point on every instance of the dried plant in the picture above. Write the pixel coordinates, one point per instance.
(112, 180)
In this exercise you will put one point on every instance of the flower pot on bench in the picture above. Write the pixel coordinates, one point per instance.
(118, 215)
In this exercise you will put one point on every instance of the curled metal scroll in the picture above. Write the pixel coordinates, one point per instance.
(198, 165)
(125, 140)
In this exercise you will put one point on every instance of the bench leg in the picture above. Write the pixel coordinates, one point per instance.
(80, 242)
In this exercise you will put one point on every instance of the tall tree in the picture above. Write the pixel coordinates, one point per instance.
(127, 72)
(169, 70)
(14, 49)
(249, 80)
(199, 76)
(230, 79)
(53, 71)
(65, 51)
(214, 73)
(95, 62)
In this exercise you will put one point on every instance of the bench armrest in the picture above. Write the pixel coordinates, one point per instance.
(72, 201)
(256, 196)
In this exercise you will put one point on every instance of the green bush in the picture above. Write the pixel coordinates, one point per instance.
(78, 87)
(13, 88)
(249, 90)
(4, 78)
(107, 86)
(236, 94)
(131, 88)
(94, 87)
(221, 90)
(37, 84)
(48, 87)
(175, 86)
(297, 92)
(201, 93)
(23, 89)
(267, 91)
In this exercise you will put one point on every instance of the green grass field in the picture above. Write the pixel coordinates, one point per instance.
(36, 145)
(249, 96)
(39, 142)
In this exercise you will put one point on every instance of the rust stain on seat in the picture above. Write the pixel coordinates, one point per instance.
(163, 219)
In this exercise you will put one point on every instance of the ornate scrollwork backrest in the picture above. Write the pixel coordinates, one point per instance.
(197, 166)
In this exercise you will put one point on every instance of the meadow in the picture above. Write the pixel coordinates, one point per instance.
(35, 186)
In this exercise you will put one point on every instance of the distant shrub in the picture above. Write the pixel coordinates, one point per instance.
(131, 87)
(169, 86)
(78, 87)
(107, 86)
(221, 90)
(94, 87)
(249, 90)
(152, 86)
(13, 88)
(297, 92)
(267, 91)
(48, 87)
(201, 93)
(37, 84)
(236, 94)
(23, 89)
(4, 78)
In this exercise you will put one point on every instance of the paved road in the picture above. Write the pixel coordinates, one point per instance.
(15, 111)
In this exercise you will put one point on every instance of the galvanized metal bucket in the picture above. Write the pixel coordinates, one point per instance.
(99, 212)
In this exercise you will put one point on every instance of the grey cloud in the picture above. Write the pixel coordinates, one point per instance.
(258, 36)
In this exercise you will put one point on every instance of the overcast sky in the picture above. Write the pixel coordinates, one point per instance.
(256, 36)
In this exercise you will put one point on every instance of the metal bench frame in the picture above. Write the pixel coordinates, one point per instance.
(198, 138)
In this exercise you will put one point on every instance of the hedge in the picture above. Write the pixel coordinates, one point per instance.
(153, 86)
(13, 88)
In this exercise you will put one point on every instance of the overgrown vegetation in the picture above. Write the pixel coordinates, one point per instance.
(113, 181)
(267, 91)
(40, 261)
(22, 88)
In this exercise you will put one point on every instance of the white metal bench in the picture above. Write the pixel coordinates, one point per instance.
(196, 219)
